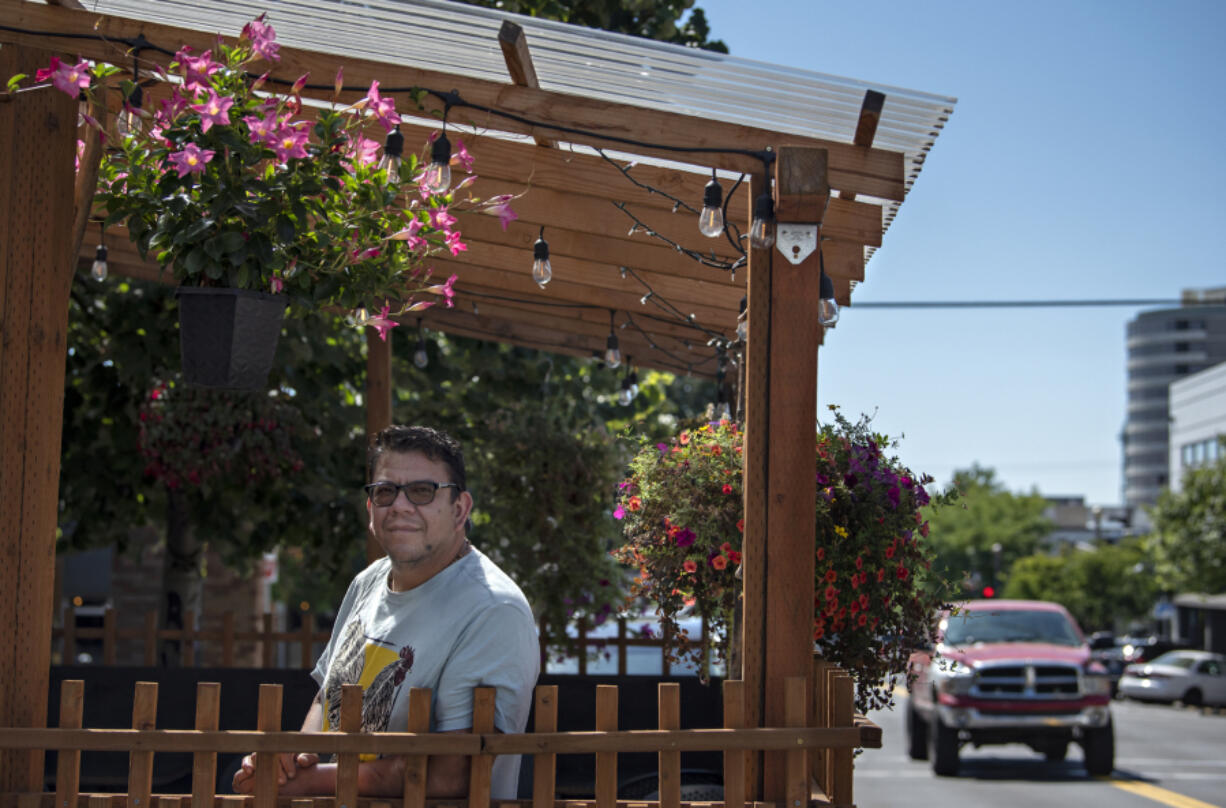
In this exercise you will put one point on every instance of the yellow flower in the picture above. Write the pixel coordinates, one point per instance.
(841, 531)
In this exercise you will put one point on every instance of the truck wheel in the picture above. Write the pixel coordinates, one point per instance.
(944, 748)
(1055, 751)
(917, 735)
(1099, 748)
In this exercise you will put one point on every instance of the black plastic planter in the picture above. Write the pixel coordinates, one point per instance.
(228, 337)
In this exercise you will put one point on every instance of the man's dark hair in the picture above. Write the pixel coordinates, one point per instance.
(432, 443)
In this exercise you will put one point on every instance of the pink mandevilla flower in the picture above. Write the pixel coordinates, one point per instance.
(505, 214)
(191, 160)
(262, 38)
(263, 129)
(462, 158)
(446, 290)
(442, 220)
(289, 142)
(69, 79)
(383, 324)
(363, 150)
(197, 69)
(383, 108)
(454, 244)
(214, 110)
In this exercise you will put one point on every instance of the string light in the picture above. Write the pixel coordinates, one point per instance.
(762, 229)
(129, 121)
(612, 354)
(542, 270)
(711, 219)
(437, 178)
(393, 152)
(420, 357)
(361, 315)
(742, 321)
(827, 306)
(99, 268)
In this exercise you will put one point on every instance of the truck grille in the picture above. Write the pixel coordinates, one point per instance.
(1011, 681)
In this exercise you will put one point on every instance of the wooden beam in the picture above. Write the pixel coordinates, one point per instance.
(516, 54)
(37, 143)
(791, 464)
(866, 126)
(870, 172)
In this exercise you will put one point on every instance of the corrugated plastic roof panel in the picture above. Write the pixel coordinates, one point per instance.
(462, 39)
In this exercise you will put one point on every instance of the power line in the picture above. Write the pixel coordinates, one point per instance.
(1026, 304)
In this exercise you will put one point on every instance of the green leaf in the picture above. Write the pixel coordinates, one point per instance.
(285, 228)
(15, 81)
(196, 260)
(197, 229)
(213, 270)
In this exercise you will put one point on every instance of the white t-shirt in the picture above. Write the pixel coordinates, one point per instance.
(468, 626)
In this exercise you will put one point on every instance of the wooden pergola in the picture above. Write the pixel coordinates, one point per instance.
(603, 273)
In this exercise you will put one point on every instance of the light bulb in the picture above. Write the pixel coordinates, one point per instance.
(827, 308)
(360, 315)
(99, 269)
(612, 356)
(129, 121)
(828, 312)
(624, 396)
(420, 357)
(634, 384)
(393, 150)
(762, 229)
(725, 412)
(742, 330)
(542, 270)
(711, 219)
(437, 178)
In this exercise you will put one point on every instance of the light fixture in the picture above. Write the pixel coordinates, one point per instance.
(99, 268)
(420, 357)
(711, 219)
(612, 355)
(129, 120)
(393, 152)
(625, 396)
(437, 178)
(634, 383)
(827, 307)
(542, 270)
(762, 229)
(361, 315)
(742, 320)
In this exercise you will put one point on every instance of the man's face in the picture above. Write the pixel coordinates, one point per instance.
(418, 534)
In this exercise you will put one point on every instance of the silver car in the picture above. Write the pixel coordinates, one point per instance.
(1193, 677)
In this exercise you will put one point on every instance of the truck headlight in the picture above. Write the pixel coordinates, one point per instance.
(1096, 685)
(958, 679)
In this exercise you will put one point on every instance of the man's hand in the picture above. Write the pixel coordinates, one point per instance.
(288, 766)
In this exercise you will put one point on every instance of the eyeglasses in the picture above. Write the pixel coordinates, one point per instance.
(418, 492)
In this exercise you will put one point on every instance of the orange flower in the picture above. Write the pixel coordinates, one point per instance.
(684, 438)
(740, 525)
(821, 553)
(715, 450)
(831, 576)
(725, 548)
(690, 566)
(635, 504)
(719, 562)
(861, 620)
(727, 489)
(734, 556)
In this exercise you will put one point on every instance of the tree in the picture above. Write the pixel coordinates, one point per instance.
(1102, 587)
(650, 19)
(1188, 543)
(979, 540)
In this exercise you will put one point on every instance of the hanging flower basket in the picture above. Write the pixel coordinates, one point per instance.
(228, 337)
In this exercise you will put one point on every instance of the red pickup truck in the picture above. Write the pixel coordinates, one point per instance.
(1009, 671)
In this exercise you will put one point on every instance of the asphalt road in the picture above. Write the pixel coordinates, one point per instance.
(1164, 755)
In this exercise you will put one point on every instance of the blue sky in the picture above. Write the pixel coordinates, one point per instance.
(1083, 160)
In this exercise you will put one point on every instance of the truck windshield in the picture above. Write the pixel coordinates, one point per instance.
(1009, 625)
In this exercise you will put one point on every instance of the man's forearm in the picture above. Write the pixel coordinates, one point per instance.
(383, 777)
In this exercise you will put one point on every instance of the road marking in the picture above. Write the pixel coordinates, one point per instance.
(1171, 798)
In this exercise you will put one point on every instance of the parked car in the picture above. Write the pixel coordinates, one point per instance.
(1009, 671)
(1193, 677)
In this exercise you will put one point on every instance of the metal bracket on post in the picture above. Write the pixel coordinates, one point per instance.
(796, 242)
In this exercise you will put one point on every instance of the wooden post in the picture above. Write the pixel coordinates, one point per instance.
(669, 780)
(347, 764)
(482, 766)
(606, 762)
(378, 403)
(780, 475)
(140, 765)
(415, 765)
(37, 142)
(268, 719)
(68, 765)
(544, 765)
(204, 764)
(734, 761)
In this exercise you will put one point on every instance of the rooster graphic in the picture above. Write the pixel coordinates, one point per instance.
(378, 698)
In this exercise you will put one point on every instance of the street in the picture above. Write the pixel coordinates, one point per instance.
(1163, 756)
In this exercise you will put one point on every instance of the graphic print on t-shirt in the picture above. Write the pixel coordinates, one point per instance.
(371, 663)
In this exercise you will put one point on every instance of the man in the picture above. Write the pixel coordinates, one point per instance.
(434, 612)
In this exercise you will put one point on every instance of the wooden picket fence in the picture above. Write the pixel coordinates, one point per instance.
(306, 638)
(819, 740)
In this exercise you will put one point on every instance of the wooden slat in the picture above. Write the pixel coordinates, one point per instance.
(756, 490)
(267, 720)
(792, 464)
(415, 765)
(68, 762)
(544, 765)
(820, 718)
(795, 695)
(734, 762)
(151, 638)
(99, 801)
(670, 761)
(866, 126)
(347, 764)
(482, 765)
(606, 762)
(842, 716)
(829, 673)
(140, 763)
(516, 54)
(870, 172)
(204, 764)
(169, 801)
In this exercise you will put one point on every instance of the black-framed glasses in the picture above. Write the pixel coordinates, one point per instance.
(418, 492)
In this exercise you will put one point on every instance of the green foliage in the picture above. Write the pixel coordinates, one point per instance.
(875, 598)
(1106, 586)
(651, 19)
(1189, 539)
(963, 537)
